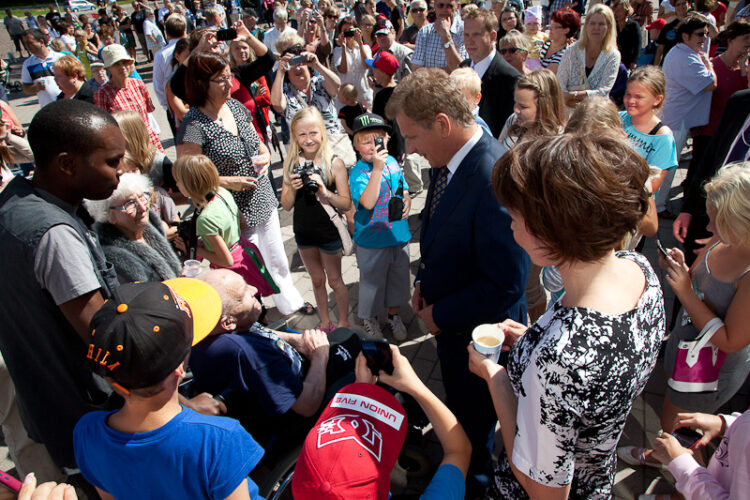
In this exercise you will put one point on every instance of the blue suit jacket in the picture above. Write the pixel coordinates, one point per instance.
(471, 268)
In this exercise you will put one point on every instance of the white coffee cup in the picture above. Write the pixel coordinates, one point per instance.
(488, 340)
(191, 268)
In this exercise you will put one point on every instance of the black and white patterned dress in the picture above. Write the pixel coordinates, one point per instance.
(319, 98)
(576, 373)
(232, 155)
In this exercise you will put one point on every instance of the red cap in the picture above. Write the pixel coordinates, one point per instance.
(658, 24)
(385, 62)
(353, 447)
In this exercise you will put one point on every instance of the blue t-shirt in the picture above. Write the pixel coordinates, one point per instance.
(191, 456)
(658, 150)
(448, 483)
(248, 368)
(371, 227)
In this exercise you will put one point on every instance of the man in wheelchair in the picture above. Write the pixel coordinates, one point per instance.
(275, 383)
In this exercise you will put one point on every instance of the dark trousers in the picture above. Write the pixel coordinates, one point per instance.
(468, 397)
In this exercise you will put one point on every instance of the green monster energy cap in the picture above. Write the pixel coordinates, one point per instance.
(368, 121)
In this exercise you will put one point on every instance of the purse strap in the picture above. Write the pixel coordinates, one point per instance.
(706, 334)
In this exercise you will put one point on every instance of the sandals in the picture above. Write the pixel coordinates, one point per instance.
(625, 454)
(307, 309)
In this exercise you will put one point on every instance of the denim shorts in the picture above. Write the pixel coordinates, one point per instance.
(330, 247)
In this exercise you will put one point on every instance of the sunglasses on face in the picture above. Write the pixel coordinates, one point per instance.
(294, 49)
(511, 50)
(332, 17)
(418, 9)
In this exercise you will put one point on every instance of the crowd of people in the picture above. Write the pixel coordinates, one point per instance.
(552, 133)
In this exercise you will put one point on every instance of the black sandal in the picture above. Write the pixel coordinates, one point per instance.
(307, 309)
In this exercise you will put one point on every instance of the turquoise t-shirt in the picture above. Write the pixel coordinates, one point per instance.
(658, 150)
(371, 227)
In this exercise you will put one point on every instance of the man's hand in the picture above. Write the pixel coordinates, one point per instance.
(206, 404)
(680, 226)
(316, 344)
(443, 28)
(417, 302)
(425, 314)
(667, 448)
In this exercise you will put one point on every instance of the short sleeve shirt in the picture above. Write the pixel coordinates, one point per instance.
(35, 70)
(14, 26)
(191, 456)
(220, 217)
(546, 59)
(448, 483)
(232, 155)
(372, 229)
(686, 104)
(133, 96)
(429, 51)
(319, 98)
(658, 150)
(576, 373)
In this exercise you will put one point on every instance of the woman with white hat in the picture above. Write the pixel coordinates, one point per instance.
(122, 92)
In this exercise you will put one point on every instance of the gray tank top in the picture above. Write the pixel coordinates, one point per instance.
(716, 294)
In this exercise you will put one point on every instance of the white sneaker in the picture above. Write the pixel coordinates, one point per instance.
(397, 327)
(372, 328)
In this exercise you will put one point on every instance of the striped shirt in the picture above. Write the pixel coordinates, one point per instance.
(554, 58)
(133, 97)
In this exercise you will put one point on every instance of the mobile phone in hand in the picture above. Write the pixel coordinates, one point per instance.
(661, 249)
(688, 438)
(377, 353)
(379, 145)
(226, 34)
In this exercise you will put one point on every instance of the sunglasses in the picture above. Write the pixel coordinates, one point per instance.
(332, 17)
(419, 9)
(294, 49)
(511, 50)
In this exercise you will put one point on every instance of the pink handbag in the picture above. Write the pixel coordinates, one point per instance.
(697, 365)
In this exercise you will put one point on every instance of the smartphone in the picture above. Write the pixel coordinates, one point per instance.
(379, 144)
(226, 34)
(297, 60)
(662, 250)
(687, 437)
(378, 354)
(349, 33)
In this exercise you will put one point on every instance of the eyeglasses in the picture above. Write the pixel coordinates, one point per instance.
(332, 17)
(131, 206)
(223, 80)
(418, 9)
(511, 50)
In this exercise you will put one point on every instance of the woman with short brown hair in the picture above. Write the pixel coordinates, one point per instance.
(571, 378)
(70, 77)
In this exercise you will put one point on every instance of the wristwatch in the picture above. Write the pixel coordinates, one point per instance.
(448, 43)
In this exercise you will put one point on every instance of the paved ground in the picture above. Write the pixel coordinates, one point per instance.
(643, 422)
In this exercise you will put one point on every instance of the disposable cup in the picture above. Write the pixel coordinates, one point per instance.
(488, 340)
(191, 268)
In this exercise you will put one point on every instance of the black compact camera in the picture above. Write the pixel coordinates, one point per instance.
(349, 33)
(305, 170)
(377, 353)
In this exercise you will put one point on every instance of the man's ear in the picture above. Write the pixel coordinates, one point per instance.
(493, 37)
(66, 162)
(227, 323)
(444, 125)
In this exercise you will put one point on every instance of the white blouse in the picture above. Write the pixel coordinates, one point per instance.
(572, 71)
(356, 73)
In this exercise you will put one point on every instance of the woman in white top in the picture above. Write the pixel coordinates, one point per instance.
(590, 66)
(352, 68)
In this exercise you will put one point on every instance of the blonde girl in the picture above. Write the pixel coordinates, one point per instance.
(647, 134)
(143, 157)
(538, 109)
(717, 287)
(317, 238)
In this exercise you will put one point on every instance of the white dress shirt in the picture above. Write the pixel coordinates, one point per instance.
(162, 70)
(482, 66)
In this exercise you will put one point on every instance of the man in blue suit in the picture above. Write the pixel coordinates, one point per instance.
(471, 270)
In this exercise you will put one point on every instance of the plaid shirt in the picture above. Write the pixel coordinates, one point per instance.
(133, 97)
(429, 51)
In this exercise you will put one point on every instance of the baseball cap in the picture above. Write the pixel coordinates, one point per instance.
(369, 120)
(353, 447)
(383, 26)
(146, 330)
(385, 62)
(112, 54)
(658, 24)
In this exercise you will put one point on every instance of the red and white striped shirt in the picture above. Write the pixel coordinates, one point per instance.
(133, 97)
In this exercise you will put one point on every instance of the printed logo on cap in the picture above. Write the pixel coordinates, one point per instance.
(180, 302)
(354, 427)
(364, 120)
